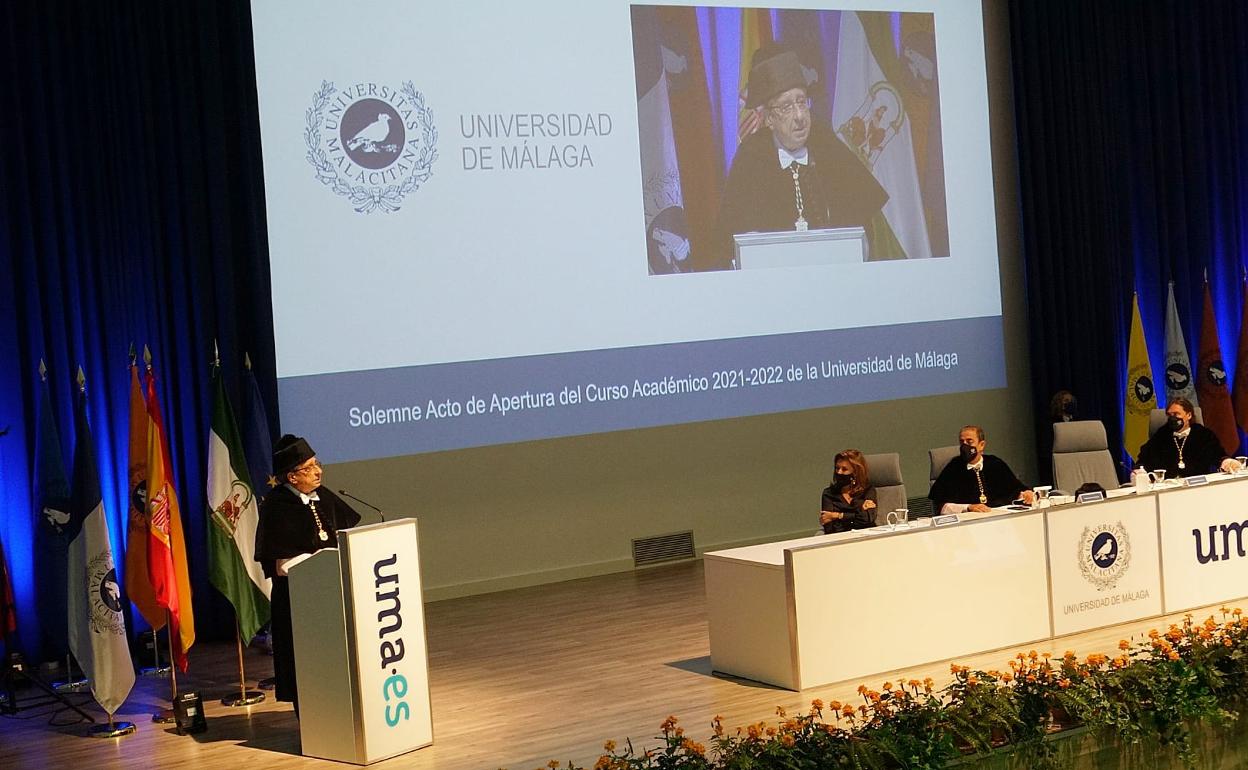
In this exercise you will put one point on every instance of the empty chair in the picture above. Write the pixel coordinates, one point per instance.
(1081, 454)
(890, 490)
(940, 457)
(1157, 418)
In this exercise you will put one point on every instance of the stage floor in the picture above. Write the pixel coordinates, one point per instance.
(518, 678)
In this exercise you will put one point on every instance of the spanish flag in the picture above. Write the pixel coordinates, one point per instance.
(166, 545)
(138, 583)
(1141, 395)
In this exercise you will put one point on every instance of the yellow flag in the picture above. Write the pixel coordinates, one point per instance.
(1141, 396)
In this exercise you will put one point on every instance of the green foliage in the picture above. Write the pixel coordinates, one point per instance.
(1150, 695)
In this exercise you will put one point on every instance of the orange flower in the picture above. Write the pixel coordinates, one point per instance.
(1124, 645)
(816, 704)
(668, 724)
(1063, 683)
(862, 688)
(553, 764)
(888, 686)
(1007, 678)
(848, 711)
(609, 746)
(1173, 655)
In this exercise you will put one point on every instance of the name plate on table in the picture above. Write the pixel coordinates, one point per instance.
(1196, 481)
(945, 520)
(831, 246)
(1091, 497)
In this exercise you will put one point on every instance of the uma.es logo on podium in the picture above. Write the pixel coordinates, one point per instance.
(371, 143)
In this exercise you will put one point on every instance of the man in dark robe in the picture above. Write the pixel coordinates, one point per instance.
(797, 175)
(1183, 447)
(297, 517)
(974, 481)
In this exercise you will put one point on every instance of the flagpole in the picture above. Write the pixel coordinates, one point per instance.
(156, 670)
(166, 716)
(245, 697)
(70, 684)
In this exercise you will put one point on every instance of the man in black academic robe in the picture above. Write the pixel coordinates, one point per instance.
(833, 188)
(1183, 447)
(297, 517)
(974, 481)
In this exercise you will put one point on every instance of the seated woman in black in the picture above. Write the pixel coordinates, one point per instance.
(1184, 447)
(849, 502)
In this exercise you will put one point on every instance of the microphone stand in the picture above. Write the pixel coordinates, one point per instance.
(380, 512)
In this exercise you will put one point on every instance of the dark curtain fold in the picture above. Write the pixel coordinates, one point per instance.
(1133, 171)
(131, 210)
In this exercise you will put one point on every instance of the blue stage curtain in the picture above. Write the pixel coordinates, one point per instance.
(1132, 124)
(131, 210)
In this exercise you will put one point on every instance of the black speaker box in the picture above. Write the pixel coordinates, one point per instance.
(188, 713)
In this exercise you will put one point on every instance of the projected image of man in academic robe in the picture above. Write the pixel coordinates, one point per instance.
(796, 174)
(297, 517)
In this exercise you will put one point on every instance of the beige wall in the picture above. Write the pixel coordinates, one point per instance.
(507, 516)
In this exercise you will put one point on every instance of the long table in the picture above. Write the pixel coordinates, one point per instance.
(813, 611)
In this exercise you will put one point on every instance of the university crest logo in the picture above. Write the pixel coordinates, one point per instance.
(1104, 554)
(371, 143)
(226, 514)
(105, 603)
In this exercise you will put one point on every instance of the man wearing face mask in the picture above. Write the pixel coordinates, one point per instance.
(1184, 447)
(974, 481)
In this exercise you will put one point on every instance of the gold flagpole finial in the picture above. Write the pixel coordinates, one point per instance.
(247, 360)
(147, 357)
(216, 353)
(43, 371)
(81, 379)
(133, 355)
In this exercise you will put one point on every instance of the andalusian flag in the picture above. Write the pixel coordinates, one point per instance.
(233, 516)
(97, 630)
(1141, 395)
(138, 583)
(869, 114)
(166, 545)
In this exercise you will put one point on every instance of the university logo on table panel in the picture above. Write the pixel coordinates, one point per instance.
(372, 143)
(1104, 554)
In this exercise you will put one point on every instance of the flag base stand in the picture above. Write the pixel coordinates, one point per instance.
(77, 685)
(245, 698)
(267, 684)
(112, 729)
(164, 717)
(154, 673)
(14, 673)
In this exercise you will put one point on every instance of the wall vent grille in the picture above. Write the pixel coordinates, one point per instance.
(661, 548)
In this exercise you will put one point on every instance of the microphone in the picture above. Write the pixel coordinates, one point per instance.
(380, 512)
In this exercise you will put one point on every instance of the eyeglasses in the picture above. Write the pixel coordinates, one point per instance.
(315, 465)
(789, 108)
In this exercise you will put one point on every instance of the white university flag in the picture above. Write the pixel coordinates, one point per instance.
(869, 115)
(97, 631)
(1179, 382)
(667, 236)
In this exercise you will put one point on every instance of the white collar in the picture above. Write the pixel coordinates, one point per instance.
(787, 158)
(978, 466)
(1183, 433)
(313, 496)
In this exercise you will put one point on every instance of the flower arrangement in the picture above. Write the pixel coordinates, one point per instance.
(1151, 693)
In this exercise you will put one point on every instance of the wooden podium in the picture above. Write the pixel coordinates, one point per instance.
(359, 634)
